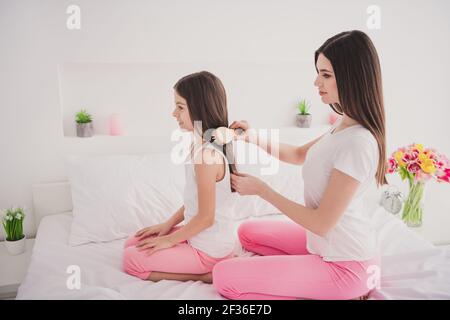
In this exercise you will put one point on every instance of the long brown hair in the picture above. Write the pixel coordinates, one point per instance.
(358, 76)
(207, 102)
(206, 99)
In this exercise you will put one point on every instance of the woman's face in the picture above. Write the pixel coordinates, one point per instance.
(326, 81)
(181, 113)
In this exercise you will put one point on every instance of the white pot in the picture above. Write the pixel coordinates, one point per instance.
(16, 247)
(304, 120)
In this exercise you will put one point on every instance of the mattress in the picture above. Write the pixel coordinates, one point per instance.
(412, 268)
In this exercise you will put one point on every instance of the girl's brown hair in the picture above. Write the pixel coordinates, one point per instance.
(358, 76)
(206, 99)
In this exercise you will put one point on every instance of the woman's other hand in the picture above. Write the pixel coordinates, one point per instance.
(243, 130)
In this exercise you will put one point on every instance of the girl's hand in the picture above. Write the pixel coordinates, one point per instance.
(246, 184)
(151, 245)
(156, 230)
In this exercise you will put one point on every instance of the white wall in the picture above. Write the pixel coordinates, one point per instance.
(262, 49)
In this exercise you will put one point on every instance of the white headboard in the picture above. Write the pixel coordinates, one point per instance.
(51, 198)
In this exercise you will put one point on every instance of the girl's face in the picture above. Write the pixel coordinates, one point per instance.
(326, 81)
(181, 113)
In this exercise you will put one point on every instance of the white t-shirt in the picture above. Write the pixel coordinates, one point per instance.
(353, 151)
(218, 240)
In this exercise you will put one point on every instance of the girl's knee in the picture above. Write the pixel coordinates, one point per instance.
(130, 263)
(131, 241)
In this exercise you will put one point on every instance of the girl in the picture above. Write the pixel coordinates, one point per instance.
(329, 251)
(189, 252)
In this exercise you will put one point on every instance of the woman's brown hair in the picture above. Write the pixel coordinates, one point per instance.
(358, 76)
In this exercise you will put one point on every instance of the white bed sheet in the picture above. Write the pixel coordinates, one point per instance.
(412, 268)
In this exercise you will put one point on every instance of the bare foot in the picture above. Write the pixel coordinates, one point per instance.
(207, 277)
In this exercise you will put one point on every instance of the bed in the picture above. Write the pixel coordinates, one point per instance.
(412, 267)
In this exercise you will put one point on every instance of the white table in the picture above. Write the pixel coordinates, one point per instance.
(13, 269)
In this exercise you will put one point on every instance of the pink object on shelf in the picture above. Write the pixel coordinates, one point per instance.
(115, 125)
(332, 117)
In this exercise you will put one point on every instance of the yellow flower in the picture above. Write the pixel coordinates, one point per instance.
(398, 157)
(428, 166)
(423, 157)
(419, 146)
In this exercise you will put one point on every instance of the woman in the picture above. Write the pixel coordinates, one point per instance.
(329, 250)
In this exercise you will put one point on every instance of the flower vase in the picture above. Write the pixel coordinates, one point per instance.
(413, 207)
(16, 247)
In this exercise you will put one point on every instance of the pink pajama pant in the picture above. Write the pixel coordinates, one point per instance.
(286, 270)
(182, 258)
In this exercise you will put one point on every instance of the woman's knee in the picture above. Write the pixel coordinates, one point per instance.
(246, 233)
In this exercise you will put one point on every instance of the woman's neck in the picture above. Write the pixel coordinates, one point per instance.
(347, 121)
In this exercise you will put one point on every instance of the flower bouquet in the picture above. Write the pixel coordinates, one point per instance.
(418, 165)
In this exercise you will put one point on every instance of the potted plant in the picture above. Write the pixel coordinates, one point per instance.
(84, 124)
(13, 225)
(304, 117)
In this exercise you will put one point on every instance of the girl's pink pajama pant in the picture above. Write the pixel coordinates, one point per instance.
(286, 270)
(182, 258)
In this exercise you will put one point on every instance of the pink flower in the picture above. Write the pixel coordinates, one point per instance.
(413, 167)
(421, 176)
(441, 162)
(410, 156)
(443, 175)
(391, 165)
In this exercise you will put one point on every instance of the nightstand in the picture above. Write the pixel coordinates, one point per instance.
(13, 269)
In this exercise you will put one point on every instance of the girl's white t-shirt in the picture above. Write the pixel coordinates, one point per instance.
(218, 240)
(353, 151)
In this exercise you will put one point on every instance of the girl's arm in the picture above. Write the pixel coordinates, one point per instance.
(177, 217)
(205, 171)
(338, 195)
(162, 228)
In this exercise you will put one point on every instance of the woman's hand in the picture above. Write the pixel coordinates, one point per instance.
(246, 184)
(156, 230)
(150, 245)
(247, 131)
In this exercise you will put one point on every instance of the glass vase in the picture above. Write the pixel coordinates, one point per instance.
(413, 207)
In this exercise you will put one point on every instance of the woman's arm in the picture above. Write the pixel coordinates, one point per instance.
(338, 195)
(206, 172)
(283, 151)
(286, 152)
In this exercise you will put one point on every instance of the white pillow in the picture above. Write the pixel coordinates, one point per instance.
(114, 196)
(282, 177)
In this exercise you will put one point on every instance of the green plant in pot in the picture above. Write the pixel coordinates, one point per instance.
(84, 124)
(13, 226)
(304, 117)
